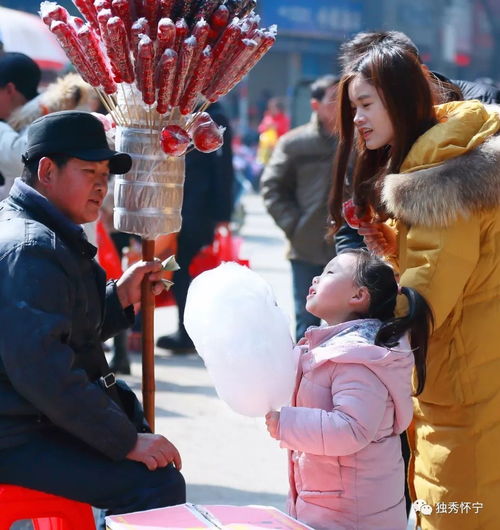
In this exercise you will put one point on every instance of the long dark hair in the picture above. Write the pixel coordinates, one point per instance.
(378, 277)
(404, 88)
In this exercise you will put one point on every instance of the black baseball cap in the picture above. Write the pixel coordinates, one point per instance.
(22, 71)
(76, 134)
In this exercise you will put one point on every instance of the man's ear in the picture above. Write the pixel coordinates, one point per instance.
(46, 168)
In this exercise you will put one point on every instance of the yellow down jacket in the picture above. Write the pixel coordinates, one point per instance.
(446, 202)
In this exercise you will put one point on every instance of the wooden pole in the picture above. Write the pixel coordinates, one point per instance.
(148, 359)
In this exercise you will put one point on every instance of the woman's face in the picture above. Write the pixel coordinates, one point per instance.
(370, 115)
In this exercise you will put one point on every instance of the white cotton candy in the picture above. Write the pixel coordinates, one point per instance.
(243, 337)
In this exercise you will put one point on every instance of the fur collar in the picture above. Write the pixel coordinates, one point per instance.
(439, 195)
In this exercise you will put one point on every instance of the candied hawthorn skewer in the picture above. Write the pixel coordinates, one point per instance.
(185, 56)
(167, 8)
(102, 4)
(52, 12)
(165, 37)
(121, 8)
(165, 77)
(88, 10)
(181, 33)
(189, 98)
(200, 32)
(151, 10)
(117, 46)
(205, 9)
(69, 42)
(265, 45)
(145, 62)
(89, 42)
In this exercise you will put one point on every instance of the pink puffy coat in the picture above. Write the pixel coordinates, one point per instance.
(351, 401)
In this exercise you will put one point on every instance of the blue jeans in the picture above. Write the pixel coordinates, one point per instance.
(302, 276)
(56, 462)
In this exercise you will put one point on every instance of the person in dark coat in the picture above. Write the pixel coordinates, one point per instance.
(207, 205)
(67, 427)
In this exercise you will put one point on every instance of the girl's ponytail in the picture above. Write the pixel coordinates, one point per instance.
(418, 322)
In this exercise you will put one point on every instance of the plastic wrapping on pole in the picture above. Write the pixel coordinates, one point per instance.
(148, 201)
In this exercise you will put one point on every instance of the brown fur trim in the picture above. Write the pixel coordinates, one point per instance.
(439, 195)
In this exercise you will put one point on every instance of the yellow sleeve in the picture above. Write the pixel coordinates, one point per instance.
(439, 262)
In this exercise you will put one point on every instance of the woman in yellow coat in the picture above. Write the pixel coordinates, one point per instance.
(433, 173)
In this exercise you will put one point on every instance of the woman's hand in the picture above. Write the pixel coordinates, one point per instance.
(154, 451)
(273, 424)
(379, 238)
(129, 285)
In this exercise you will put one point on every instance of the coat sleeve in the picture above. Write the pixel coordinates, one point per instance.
(438, 264)
(116, 318)
(12, 147)
(278, 184)
(37, 357)
(359, 403)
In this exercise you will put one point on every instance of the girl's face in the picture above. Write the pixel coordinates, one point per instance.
(370, 115)
(333, 296)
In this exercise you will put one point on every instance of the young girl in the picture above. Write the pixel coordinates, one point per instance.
(435, 170)
(352, 398)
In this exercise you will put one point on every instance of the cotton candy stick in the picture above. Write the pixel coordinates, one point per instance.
(87, 9)
(69, 42)
(165, 78)
(185, 56)
(117, 46)
(145, 59)
(193, 89)
(90, 46)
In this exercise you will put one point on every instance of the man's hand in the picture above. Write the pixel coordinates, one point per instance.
(155, 451)
(273, 424)
(129, 285)
(379, 238)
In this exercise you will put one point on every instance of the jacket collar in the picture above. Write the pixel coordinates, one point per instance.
(439, 194)
(43, 211)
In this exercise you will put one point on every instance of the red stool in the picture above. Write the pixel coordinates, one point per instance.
(48, 512)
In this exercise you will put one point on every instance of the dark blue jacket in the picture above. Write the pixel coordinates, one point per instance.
(55, 309)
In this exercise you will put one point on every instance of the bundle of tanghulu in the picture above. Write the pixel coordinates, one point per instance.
(157, 65)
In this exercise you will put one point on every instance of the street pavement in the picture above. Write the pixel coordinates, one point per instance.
(227, 458)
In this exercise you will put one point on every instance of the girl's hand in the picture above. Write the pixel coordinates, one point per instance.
(379, 238)
(273, 424)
